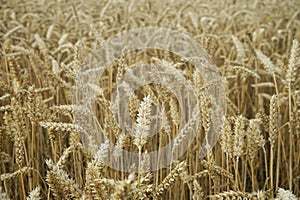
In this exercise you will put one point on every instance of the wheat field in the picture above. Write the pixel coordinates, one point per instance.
(254, 45)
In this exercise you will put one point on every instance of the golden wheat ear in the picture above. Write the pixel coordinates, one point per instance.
(35, 194)
(60, 184)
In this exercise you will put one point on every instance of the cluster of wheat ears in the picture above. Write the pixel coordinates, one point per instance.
(254, 44)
